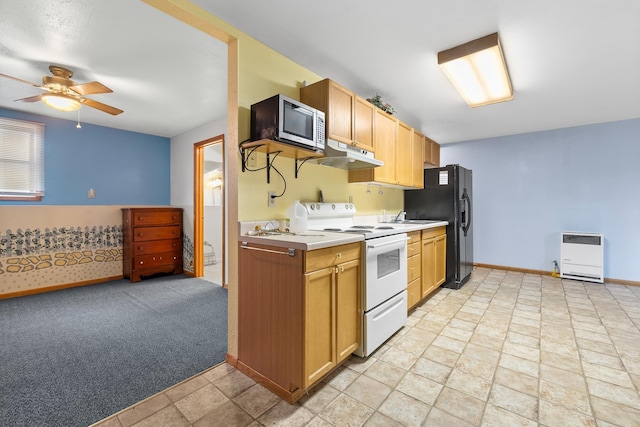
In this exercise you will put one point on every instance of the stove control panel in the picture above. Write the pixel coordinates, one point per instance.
(329, 209)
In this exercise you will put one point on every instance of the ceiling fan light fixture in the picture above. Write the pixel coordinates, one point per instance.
(478, 71)
(61, 102)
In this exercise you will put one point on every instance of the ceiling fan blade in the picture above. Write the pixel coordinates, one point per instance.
(19, 80)
(102, 107)
(30, 99)
(90, 88)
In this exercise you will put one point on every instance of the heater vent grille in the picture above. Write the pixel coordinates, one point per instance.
(582, 256)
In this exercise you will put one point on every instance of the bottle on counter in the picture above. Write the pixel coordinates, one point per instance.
(296, 220)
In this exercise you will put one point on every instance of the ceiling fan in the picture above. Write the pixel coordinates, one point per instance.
(64, 94)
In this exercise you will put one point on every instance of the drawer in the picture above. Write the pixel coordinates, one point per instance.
(321, 258)
(414, 264)
(148, 217)
(153, 260)
(156, 233)
(154, 246)
(413, 248)
(414, 237)
(433, 232)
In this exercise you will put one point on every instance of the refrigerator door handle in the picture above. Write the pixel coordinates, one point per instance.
(466, 212)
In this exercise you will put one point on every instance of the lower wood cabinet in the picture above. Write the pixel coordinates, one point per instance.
(434, 259)
(299, 314)
(414, 269)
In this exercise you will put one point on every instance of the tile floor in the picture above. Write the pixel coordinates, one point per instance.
(508, 349)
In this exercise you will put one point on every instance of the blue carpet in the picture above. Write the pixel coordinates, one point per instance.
(75, 356)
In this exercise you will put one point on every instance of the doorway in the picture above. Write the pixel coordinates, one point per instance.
(209, 210)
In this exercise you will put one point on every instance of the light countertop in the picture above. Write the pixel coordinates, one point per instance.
(310, 240)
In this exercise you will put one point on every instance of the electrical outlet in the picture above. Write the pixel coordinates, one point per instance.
(272, 199)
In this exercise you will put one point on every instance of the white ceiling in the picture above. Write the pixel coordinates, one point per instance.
(167, 76)
(572, 62)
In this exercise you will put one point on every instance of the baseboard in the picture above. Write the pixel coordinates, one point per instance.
(548, 273)
(232, 360)
(58, 287)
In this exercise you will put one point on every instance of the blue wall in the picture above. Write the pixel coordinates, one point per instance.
(124, 168)
(529, 188)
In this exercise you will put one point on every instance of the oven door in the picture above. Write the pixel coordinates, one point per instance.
(385, 268)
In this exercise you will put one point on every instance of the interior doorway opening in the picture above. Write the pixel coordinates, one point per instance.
(210, 238)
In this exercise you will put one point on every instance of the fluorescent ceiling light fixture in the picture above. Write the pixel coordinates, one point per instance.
(61, 102)
(478, 71)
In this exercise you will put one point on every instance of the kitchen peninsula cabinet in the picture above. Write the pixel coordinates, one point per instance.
(152, 241)
(349, 118)
(434, 259)
(299, 314)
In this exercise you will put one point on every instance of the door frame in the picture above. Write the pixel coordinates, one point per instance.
(198, 206)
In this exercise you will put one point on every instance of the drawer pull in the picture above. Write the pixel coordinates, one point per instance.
(141, 262)
(139, 218)
(339, 255)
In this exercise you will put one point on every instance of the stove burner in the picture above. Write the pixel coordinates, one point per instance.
(333, 229)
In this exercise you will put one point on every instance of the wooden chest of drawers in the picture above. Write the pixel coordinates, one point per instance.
(152, 241)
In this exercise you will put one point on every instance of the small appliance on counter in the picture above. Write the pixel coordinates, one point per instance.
(447, 195)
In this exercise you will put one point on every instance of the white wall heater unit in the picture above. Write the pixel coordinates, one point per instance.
(582, 256)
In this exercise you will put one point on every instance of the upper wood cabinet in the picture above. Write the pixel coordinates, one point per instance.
(431, 153)
(363, 123)
(404, 150)
(349, 118)
(402, 154)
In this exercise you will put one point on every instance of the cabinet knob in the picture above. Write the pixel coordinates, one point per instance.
(140, 234)
(339, 255)
(139, 218)
(141, 262)
(174, 244)
(341, 269)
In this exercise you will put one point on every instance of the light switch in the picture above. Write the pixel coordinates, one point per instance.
(92, 193)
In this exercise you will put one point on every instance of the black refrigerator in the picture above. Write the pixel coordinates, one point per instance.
(448, 195)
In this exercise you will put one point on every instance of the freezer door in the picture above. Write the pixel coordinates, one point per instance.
(465, 230)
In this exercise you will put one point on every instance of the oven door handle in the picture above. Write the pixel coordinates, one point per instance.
(393, 242)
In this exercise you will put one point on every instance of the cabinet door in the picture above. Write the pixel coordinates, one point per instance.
(363, 123)
(404, 175)
(440, 259)
(340, 114)
(428, 266)
(435, 154)
(348, 316)
(417, 160)
(428, 157)
(319, 324)
(384, 145)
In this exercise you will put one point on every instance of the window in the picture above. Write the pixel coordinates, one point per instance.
(21, 160)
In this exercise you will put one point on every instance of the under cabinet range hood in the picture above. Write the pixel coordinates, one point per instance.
(345, 156)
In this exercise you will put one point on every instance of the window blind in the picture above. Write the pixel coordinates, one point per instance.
(21, 158)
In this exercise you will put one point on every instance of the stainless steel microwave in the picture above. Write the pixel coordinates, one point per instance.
(286, 120)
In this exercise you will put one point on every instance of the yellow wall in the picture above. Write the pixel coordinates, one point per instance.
(261, 72)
